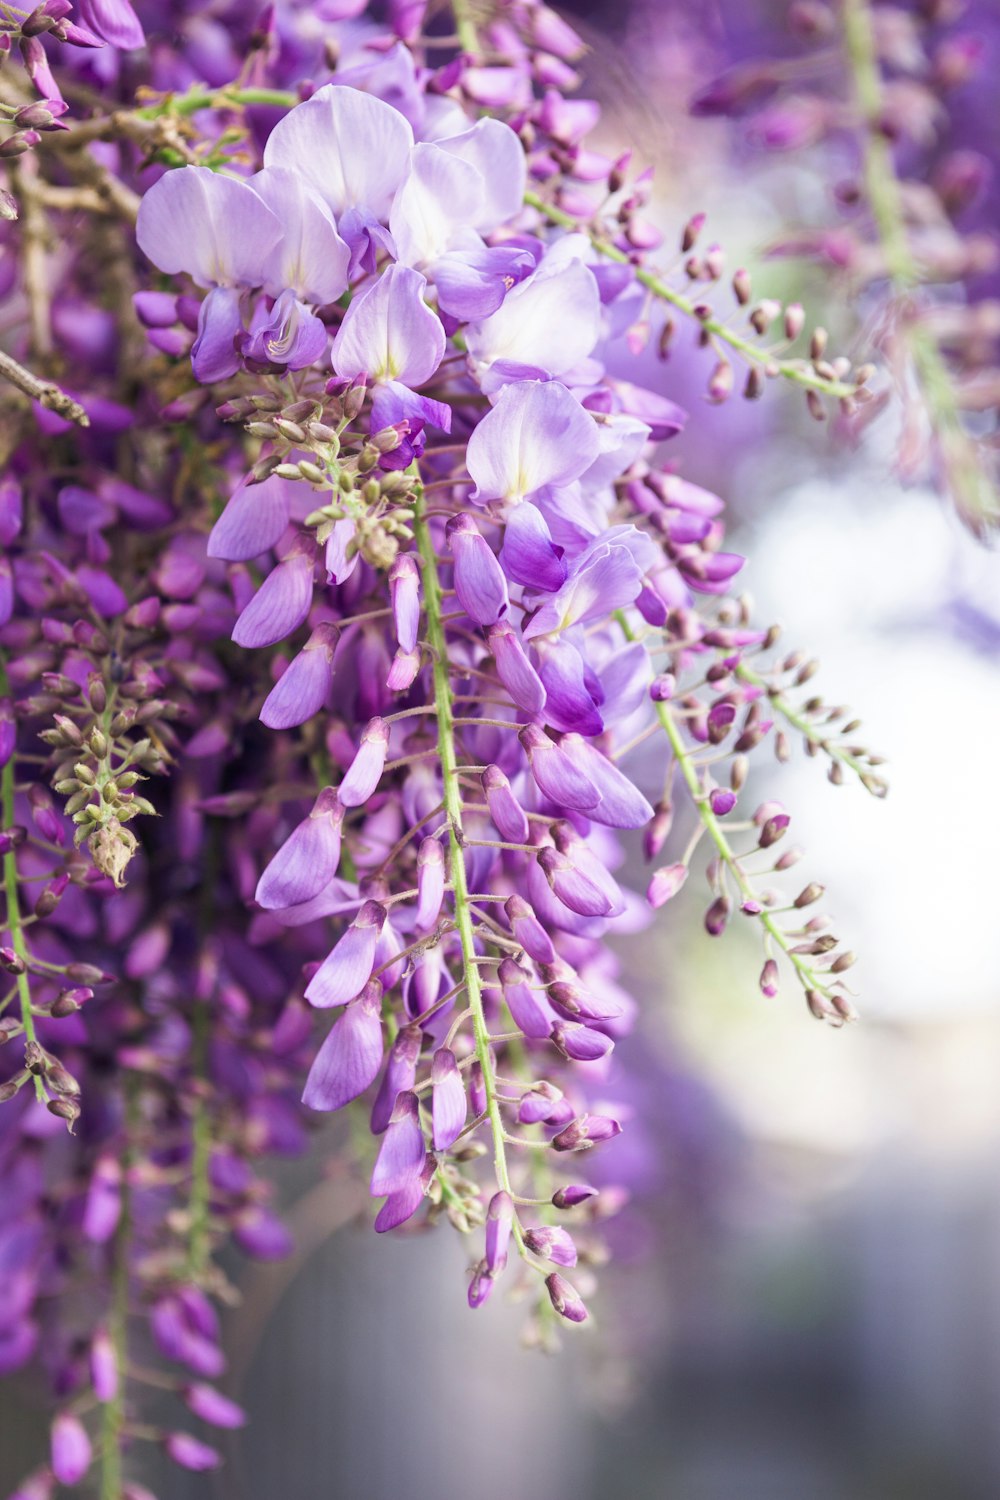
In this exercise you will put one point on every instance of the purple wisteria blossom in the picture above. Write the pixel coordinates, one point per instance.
(353, 626)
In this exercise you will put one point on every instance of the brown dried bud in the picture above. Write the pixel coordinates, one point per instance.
(66, 1109)
(810, 893)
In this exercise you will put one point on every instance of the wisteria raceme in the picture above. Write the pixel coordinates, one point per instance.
(913, 218)
(354, 629)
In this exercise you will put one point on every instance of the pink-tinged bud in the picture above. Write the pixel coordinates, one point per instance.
(304, 687)
(349, 1059)
(103, 1204)
(515, 670)
(213, 1407)
(528, 931)
(404, 595)
(586, 1131)
(430, 883)
(103, 1367)
(499, 1223)
(365, 771)
(718, 915)
(665, 884)
(8, 731)
(505, 810)
(480, 1287)
(551, 1244)
(539, 1103)
(477, 1090)
(571, 998)
(555, 774)
(774, 828)
(348, 966)
(308, 859)
(565, 1299)
(400, 1074)
(722, 801)
(479, 579)
(191, 1453)
(70, 1451)
(404, 668)
(769, 979)
(658, 831)
(261, 1234)
(531, 1011)
(448, 1103)
(573, 1195)
(401, 1154)
(579, 1043)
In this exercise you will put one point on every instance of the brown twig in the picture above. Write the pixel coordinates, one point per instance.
(43, 391)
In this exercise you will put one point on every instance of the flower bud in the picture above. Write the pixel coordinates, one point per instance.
(565, 1299)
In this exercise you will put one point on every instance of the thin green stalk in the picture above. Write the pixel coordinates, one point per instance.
(973, 490)
(465, 27)
(800, 722)
(13, 916)
(464, 920)
(682, 755)
(113, 1411)
(796, 370)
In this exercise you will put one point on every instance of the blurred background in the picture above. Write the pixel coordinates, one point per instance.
(805, 1301)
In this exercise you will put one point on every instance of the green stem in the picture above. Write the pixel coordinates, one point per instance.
(464, 922)
(113, 1411)
(971, 486)
(800, 722)
(807, 974)
(465, 27)
(13, 918)
(796, 370)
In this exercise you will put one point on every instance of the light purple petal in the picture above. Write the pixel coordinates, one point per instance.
(304, 686)
(401, 1154)
(471, 283)
(441, 195)
(537, 434)
(347, 968)
(479, 580)
(495, 150)
(529, 555)
(515, 670)
(214, 354)
(280, 604)
(365, 771)
(449, 1106)
(212, 226)
(349, 1059)
(390, 333)
(71, 1452)
(253, 521)
(310, 257)
(551, 321)
(114, 21)
(621, 804)
(307, 861)
(285, 334)
(569, 702)
(351, 148)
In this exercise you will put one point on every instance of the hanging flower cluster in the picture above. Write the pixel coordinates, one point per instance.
(900, 97)
(353, 622)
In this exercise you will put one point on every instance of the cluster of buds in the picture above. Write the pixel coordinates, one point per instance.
(916, 233)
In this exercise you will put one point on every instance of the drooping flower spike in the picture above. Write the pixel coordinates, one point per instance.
(338, 587)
